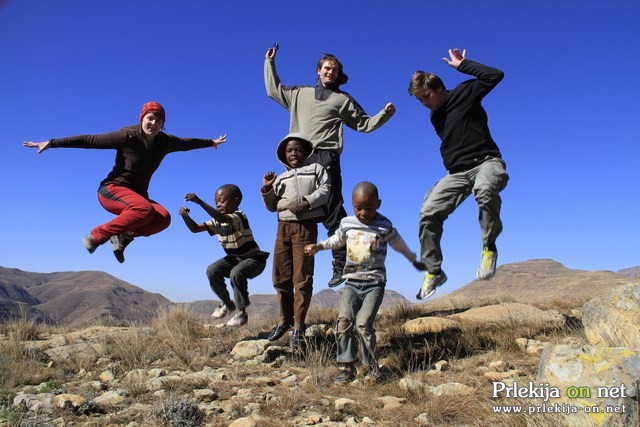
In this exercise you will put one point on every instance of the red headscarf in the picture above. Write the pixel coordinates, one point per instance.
(153, 106)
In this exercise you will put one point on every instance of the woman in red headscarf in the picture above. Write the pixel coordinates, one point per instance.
(139, 151)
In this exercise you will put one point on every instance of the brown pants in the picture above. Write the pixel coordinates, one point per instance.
(293, 270)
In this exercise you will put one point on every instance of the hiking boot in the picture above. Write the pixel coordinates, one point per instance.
(119, 242)
(296, 341)
(336, 279)
(373, 376)
(90, 243)
(430, 283)
(239, 319)
(223, 310)
(488, 264)
(346, 374)
(278, 331)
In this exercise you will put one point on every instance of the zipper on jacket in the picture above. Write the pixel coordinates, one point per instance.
(298, 197)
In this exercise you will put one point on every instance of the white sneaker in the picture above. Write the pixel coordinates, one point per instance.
(239, 319)
(487, 264)
(222, 311)
(430, 283)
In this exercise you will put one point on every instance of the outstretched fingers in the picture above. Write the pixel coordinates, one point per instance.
(221, 140)
(41, 146)
(455, 57)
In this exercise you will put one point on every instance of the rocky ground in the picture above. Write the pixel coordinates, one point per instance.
(440, 369)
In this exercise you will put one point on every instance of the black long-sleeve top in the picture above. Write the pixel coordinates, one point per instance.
(136, 159)
(461, 122)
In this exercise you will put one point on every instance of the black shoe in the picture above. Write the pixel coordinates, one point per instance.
(119, 242)
(346, 374)
(296, 341)
(278, 331)
(337, 275)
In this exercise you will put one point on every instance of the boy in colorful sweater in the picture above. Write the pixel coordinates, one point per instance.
(365, 235)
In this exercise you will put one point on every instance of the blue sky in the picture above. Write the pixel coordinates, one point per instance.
(563, 118)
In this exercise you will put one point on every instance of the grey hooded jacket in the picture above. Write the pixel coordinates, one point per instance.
(310, 182)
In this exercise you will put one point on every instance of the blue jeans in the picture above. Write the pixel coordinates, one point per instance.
(358, 308)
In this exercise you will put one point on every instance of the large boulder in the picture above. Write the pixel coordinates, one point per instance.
(511, 314)
(614, 319)
(431, 325)
(594, 380)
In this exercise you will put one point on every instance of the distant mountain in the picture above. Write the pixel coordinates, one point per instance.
(542, 281)
(74, 298)
(630, 272)
(77, 298)
(266, 305)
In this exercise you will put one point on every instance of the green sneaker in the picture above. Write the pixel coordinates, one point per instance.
(430, 283)
(488, 264)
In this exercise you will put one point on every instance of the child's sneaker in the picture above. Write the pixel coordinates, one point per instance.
(336, 278)
(430, 283)
(239, 319)
(346, 374)
(488, 264)
(90, 243)
(223, 310)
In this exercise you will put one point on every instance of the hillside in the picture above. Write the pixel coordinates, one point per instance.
(630, 272)
(542, 281)
(75, 298)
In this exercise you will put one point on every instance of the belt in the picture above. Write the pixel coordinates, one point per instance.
(469, 166)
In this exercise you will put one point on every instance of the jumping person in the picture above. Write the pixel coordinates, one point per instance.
(243, 261)
(124, 192)
(472, 159)
(319, 112)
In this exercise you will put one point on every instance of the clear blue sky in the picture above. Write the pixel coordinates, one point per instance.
(563, 118)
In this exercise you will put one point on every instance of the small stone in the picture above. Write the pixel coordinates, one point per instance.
(342, 403)
(442, 366)
(107, 376)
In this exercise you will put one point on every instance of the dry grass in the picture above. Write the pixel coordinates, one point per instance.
(134, 350)
(180, 336)
(322, 315)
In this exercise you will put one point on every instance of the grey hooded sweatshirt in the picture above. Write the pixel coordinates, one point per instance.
(310, 182)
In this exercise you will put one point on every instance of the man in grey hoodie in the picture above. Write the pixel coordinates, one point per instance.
(299, 196)
(319, 112)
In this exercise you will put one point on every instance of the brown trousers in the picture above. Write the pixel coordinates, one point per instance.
(293, 270)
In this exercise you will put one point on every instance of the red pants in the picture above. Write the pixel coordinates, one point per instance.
(136, 214)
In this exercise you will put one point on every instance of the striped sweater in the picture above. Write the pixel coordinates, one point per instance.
(235, 237)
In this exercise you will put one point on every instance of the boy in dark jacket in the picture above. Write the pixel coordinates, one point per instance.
(472, 159)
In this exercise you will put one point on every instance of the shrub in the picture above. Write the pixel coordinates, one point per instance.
(178, 411)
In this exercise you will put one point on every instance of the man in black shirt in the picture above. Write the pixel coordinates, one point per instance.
(471, 157)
